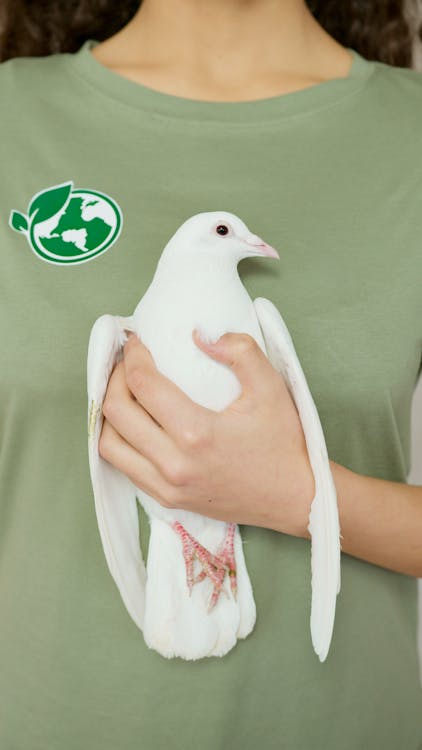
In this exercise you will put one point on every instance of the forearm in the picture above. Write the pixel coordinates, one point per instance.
(380, 520)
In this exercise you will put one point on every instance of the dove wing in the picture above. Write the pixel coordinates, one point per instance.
(114, 493)
(323, 517)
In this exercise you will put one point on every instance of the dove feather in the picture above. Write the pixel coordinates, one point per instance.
(114, 493)
(323, 519)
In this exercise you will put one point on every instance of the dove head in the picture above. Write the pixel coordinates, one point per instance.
(219, 236)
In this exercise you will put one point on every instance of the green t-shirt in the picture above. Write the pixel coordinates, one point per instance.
(331, 176)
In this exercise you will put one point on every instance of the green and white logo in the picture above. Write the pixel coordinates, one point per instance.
(67, 226)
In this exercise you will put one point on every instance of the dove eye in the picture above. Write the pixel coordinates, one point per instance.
(222, 229)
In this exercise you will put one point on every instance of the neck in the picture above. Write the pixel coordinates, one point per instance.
(203, 270)
(222, 48)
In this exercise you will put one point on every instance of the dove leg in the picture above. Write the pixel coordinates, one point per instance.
(227, 555)
(214, 566)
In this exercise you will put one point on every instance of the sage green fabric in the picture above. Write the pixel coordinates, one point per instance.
(332, 177)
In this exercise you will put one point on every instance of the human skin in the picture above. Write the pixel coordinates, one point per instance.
(224, 49)
(248, 463)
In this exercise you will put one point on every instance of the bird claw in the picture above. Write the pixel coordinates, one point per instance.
(214, 566)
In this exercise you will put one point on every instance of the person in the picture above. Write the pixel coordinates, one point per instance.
(117, 125)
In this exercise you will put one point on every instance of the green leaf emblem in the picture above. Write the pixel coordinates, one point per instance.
(49, 202)
(18, 221)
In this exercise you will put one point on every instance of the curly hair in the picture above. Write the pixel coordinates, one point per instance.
(378, 29)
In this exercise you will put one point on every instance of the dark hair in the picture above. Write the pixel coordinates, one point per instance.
(378, 29)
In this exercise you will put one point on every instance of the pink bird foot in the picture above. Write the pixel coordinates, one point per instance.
(214, 566)
(226, 553)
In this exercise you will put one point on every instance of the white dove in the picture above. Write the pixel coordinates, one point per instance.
(196, 285)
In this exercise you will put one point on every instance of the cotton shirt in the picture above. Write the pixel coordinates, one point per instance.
(331, 176)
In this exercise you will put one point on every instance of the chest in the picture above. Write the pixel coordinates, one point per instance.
(347, 283)
(214, 301)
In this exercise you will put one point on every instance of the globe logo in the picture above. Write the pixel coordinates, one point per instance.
(67, 226)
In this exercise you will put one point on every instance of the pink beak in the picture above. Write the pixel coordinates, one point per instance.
(262, 247)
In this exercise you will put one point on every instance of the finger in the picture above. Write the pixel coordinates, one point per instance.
(163, 399)
(144, 475)
(134, 424)
(245, 357)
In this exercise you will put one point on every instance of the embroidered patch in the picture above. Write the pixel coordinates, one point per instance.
(67, 226)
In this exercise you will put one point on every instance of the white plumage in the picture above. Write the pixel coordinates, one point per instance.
(196, 285)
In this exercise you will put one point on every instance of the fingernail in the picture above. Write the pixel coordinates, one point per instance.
(200, 337)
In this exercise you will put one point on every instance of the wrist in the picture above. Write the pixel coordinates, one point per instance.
(297, 492)
(350, 486)
(293, 518)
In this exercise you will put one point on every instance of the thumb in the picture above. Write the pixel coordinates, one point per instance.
(243, 355)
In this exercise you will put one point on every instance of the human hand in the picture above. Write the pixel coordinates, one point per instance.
(248, 463)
